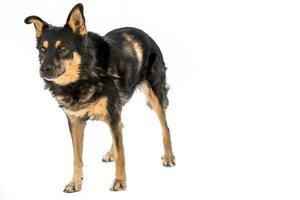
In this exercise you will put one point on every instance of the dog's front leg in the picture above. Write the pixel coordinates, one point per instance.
(76, 126)
(118, 153)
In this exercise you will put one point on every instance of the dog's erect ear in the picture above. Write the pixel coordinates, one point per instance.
(39, 24)
(76, 20)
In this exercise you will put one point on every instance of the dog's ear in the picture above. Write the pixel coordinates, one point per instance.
(76, 20)
(39, 24)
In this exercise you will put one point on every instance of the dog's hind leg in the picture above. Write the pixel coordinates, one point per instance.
(156, 104)
(109, 156)
(155, 88)
(76, 126)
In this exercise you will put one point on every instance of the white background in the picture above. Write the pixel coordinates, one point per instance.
(233, 68)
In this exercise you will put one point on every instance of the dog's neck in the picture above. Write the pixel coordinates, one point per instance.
(92, 76)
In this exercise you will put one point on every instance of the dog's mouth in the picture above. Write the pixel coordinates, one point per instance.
(53, 76)
(49, 79)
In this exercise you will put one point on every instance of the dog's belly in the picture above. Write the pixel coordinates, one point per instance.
(96, 110)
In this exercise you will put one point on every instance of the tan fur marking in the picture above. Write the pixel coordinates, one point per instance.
(136, 47)
(99, 109)
(139, 52)
(57, 43)
(46, 44)
(128, 51)
(96, 110)
(168, 158)
(109, 156)
(76, 20)
(38, 26)
(153, 100)
(77, 126)
(72, 70)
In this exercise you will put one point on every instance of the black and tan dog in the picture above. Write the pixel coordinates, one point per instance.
(92, 77)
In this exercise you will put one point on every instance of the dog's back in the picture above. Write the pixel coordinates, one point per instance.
(136, 59)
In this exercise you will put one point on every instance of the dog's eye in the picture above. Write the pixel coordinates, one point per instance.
(63, 48)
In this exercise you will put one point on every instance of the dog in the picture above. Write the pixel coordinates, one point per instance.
(93, 76)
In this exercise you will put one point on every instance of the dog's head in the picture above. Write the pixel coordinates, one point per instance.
(59, 47)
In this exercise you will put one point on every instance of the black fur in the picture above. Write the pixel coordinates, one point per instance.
(93, 76)
(104, 66)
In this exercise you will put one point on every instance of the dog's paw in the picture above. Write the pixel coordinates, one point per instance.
(73, 186)
(168, 161)
(118, 185)
(108, 157)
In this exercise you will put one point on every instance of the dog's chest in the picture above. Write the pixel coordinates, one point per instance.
(96, 110)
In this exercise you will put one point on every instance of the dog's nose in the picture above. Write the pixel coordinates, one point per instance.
(45, 68)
